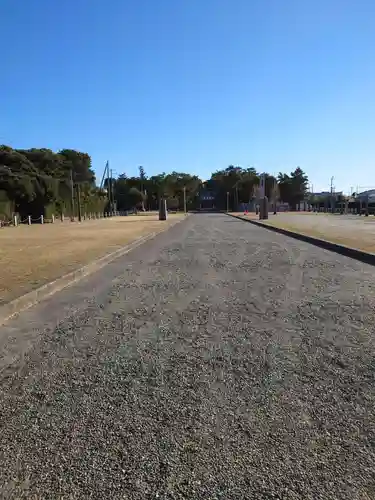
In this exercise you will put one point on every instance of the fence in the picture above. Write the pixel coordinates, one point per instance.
(16, 220)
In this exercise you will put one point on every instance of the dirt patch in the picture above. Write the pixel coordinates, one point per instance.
(31, 256)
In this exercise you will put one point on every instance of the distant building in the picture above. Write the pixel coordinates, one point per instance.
(327, 194)
(207, 196)
(366, 196)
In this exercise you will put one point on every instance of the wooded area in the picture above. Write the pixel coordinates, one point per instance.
(240, 184)
(41, 182)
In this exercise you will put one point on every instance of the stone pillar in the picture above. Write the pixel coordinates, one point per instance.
(263, 209)
(163, 213)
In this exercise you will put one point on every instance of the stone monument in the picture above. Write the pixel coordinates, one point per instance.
(163, 212)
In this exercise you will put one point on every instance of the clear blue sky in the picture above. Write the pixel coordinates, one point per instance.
(195, 85)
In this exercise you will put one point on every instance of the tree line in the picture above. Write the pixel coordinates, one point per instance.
(241, 185)
(234, 184)
(40, 181)
(145, 192)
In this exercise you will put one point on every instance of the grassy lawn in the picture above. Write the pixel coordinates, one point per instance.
(31, 256)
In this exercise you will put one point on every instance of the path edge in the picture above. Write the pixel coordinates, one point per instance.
(353, 253)
(26, 301)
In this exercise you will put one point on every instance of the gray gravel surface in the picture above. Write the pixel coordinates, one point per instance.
(219, 361)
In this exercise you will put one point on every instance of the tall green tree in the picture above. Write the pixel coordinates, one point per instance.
(135, 197)
(80, 165)
(37, 178)
(156, 188)
(227, 181)
(293, 187)
(18, 176)
(121, 193)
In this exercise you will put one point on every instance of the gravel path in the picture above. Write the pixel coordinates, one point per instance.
(224, 362)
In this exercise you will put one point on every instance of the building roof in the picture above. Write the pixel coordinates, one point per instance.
(369, 194)
(327, 193)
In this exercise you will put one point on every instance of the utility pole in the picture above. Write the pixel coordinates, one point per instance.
(79, 202)
(263, 205)
(227, 201)
(104, 175)
(332, 193)
(72, 192)
(112, 193)
(274, 196)
(185, 200)
(109, 189)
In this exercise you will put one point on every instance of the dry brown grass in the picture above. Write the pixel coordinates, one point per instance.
(360, 236)
(33, 255)
(355, 233)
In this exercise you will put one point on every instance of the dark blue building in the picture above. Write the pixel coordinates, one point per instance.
(207, 196)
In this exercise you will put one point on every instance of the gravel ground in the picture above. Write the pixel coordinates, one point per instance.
(219, 361)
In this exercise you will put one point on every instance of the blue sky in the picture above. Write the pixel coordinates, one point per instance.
(195, 85)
